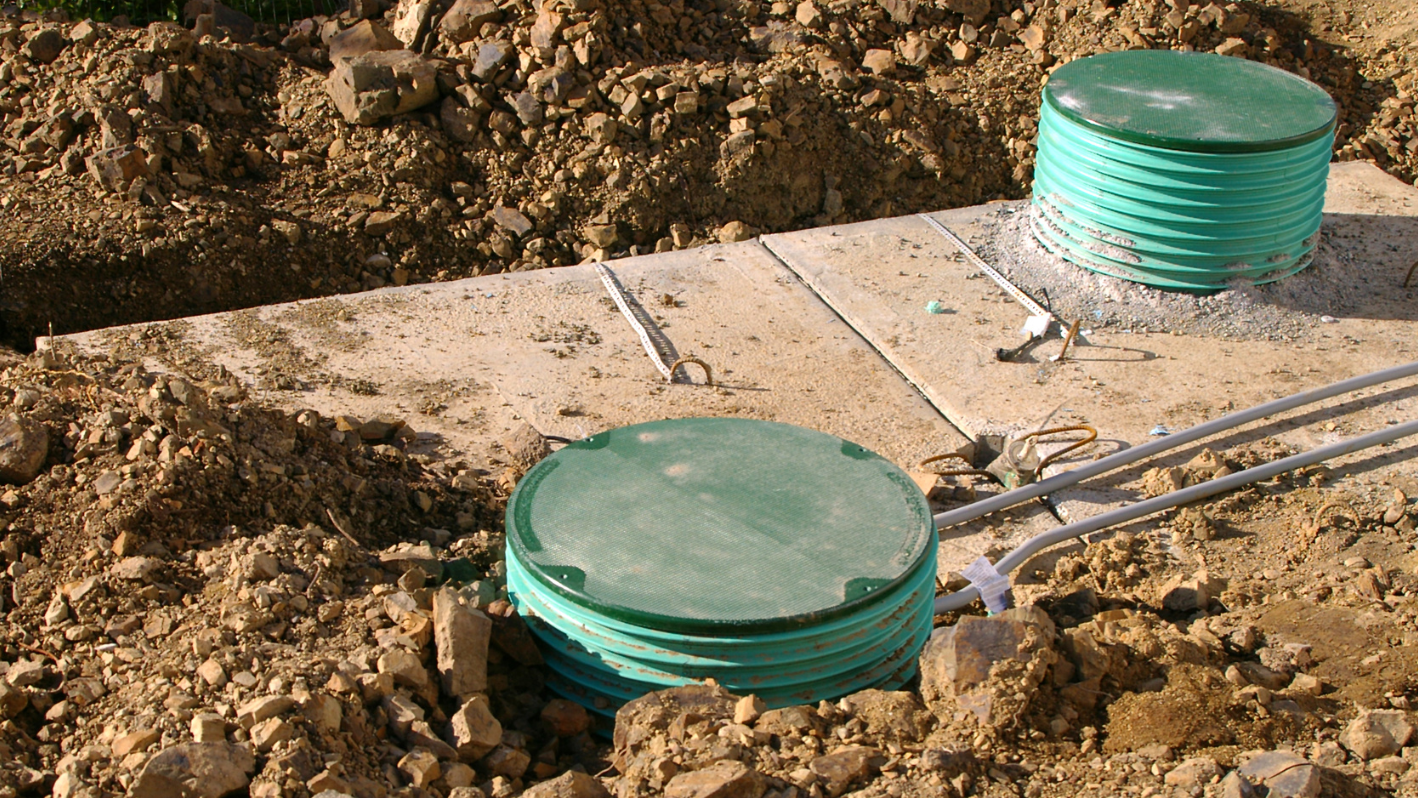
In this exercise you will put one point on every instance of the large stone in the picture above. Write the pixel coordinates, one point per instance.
(134, 741)
(490, 58)
(24, 444)
(161, 90)
(116, 167)
(545, 29)
(989, 667)
(841, 768)
(461, 635)
(1285, 774)
(405, 667)
(466, 18)
(571, 784)
(511, 635)
(640, 720)
(776, 37)
(1193, 773)
(529, 111)
(44, 46)
(916, 49)
(404, 556)
(366, 37)
(70, 784)
(879, 62)
(565, 718)
(511, 220)
(13, 700)
(903, 12)
(195, 770)
(85, 33)
(460, 123)
(421, 735)
(601, 128)
(602, 236)
(263, 708)
(1181, 594)
(402, 713)
(1235, 786)
(1377, 733)
(506, 761)
(134, 568)
(794, 721)
(421, 766)
(411, 21)
(724, 779)
(378, 85)
(735, 231)
(381, 222)
(267, 735)
(58, 131)
(115, 126)
(170, 38)
(473, 730)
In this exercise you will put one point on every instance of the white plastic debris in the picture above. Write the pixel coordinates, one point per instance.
(1036, 326)
(993, 586)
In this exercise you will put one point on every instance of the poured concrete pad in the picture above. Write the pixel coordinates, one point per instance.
(880, 276)
(463, 361)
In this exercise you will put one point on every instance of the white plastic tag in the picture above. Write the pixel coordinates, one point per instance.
(1036, 326)
(993, 586)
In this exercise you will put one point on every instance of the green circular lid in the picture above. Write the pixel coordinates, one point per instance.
(1199, 102)
(703, 523)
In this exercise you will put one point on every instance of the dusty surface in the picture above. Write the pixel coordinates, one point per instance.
(1195, 358)
(552, 348)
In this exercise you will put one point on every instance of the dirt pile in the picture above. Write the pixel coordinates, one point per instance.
(203, 596)
(158, 172)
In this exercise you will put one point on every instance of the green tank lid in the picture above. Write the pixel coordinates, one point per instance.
(711, 525)
(1199, 102)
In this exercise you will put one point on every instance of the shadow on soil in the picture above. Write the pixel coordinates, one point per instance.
(1359, 271)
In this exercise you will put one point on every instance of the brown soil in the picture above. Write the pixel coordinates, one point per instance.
(250, 150)
(178, 522)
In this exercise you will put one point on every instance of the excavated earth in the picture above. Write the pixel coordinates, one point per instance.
(202, 596)
(546, 136)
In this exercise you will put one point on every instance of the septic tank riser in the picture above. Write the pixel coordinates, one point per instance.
(1130, 186)
(774, 560)
(593, 657)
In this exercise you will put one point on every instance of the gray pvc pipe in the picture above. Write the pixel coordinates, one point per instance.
(1128, 456)
(1016, 558)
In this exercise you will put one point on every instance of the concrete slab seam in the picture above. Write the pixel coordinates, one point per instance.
(886, 358)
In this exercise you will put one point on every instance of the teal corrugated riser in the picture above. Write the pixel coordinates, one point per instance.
(1159, 196)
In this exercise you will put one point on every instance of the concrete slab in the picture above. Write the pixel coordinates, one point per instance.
(462, 362)
(880, 275)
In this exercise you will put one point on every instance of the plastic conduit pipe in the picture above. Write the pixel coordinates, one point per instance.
(1128, 456)
(1014, 559)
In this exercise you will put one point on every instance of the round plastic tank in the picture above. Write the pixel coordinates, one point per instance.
(1188, 171)
(775, 560)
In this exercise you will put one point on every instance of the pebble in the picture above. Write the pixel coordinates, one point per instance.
(24, 445)
(734, 232)
(1377, 733)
